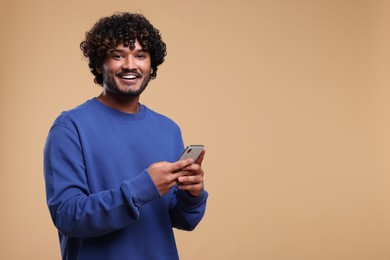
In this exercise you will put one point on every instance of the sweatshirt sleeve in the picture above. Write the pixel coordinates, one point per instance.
(75, 211)
(187, 211)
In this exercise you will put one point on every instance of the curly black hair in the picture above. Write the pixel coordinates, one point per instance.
(119, 28)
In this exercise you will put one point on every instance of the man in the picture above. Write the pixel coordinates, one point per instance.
(114, 186)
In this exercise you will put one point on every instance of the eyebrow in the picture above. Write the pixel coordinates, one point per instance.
(123, 50)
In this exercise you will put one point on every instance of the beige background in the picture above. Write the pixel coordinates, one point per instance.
(291, 99)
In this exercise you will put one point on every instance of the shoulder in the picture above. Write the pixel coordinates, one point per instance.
(69, 118)
(160, 118)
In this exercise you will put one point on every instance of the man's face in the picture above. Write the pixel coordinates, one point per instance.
(126, 72)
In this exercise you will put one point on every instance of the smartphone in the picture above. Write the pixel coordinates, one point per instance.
(192, 151)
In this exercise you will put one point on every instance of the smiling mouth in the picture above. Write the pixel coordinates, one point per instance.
(130, 76)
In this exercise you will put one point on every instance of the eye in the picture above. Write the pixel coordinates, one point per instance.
(117, 56)
(141, 56)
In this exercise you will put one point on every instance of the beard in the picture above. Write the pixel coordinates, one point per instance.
(111, 86)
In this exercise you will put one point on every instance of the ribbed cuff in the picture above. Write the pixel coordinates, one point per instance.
(186, 198)
(142, 189)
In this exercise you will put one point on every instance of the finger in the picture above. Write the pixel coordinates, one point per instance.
(194, 170)
(192, 167)
(177, 166)
(194, 190)
(190, 179)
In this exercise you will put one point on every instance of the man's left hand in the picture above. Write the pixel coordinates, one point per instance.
(193, 181)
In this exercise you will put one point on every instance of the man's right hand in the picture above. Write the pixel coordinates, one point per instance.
(165, 174)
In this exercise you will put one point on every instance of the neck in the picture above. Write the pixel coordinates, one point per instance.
(126, 104)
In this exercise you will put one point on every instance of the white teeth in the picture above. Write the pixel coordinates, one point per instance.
(128, 76)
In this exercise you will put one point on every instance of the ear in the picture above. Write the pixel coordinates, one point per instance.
(99, 70)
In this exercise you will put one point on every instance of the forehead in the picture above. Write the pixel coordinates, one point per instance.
(137, 47)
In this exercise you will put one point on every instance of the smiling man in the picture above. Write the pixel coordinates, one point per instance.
(126, 73)
(114, 186)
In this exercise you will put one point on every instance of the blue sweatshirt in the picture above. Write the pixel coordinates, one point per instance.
(101, 197)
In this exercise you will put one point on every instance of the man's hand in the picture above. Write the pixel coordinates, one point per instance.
(193, 182)
(165, 175)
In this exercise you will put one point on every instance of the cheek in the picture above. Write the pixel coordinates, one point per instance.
(111, 66)
(110, 72)
(145, 66)
(148, 70)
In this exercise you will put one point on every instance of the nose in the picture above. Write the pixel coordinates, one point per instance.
(130, 63)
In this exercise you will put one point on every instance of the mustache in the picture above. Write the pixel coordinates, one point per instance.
(133, 72)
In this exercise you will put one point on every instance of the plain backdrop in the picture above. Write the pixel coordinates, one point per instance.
(290, 97)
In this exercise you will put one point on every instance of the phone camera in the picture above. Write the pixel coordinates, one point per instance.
(189, 150)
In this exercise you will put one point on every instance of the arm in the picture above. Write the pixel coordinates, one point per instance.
(187, 211)
(189, 200)
(77, 212)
